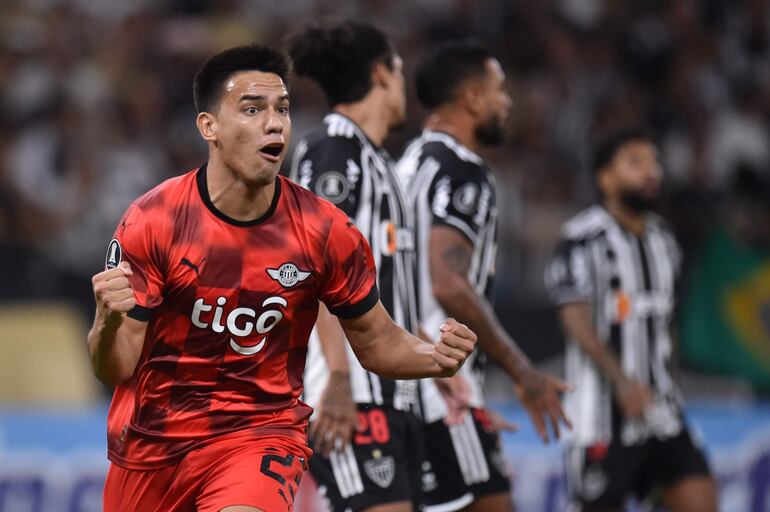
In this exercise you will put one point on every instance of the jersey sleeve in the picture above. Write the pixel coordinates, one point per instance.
(460, 198)
(133, 242)
(332, 170)
(568, 273)
(350, 287)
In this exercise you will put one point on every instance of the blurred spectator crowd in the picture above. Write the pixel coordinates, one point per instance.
(97, 108)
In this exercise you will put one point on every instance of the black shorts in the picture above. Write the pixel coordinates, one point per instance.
(382, 465)
(463, 462)
(603, 476)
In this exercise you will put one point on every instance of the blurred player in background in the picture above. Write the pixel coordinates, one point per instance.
(453, 194)
(613, 277)
(204, 311)
(342, 160)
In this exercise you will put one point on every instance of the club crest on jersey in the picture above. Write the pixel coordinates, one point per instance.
(381, 470)
(288, 274)
(114, 255)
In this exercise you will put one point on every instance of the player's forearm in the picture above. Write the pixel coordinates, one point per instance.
(113, 358)
(399, 355)
(332, 339)
(388, 350)
(576, 319)
(459, 300)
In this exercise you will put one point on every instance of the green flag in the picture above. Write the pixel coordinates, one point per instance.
(725, 315)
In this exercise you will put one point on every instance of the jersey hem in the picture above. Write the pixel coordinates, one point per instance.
(171, 460)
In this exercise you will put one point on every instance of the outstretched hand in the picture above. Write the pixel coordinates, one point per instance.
(539, 394)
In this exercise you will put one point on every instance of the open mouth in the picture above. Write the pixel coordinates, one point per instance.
(272, 151)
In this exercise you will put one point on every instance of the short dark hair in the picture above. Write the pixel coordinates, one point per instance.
(447, 67)
(340, 58)
(607, 146)
(211, 77)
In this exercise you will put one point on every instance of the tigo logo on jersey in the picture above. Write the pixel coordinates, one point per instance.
(288, 274)
(263, 324)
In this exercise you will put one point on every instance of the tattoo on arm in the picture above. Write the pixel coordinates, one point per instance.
(458, 259)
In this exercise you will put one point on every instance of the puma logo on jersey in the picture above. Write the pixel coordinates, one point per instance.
(288, 274)
(192, 265)
(123, 226)
(233, 322)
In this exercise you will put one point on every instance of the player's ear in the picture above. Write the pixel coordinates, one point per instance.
(380, 74)
(473, 98)
(207, 126)
(603, 180)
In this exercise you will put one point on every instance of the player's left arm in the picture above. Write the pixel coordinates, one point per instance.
(386, 349)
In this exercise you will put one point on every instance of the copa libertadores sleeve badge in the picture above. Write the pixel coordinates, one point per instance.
(114, 255)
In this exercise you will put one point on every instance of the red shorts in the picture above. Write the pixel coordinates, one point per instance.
(235, 469)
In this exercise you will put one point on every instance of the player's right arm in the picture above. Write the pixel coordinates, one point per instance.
(115, 340)
(336, 413)
(450, 256)
(568, 279)
(126, 292)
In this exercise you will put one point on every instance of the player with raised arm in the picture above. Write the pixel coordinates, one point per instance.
(613, 277)
(453, 194)
(204, 311)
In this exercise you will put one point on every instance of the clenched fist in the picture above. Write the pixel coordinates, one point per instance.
(453, 347)
(114, 296)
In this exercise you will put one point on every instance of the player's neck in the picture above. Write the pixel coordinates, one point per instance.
(235, 198)
(456, 125)
(368, 117)
(632, 221)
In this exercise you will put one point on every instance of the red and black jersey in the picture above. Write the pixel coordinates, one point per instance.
(230, 306)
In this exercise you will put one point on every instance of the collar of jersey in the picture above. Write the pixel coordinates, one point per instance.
(203, 190)
(356, 129)
(450, 141)
(651, 222)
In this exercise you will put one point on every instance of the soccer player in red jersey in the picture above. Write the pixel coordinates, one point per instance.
(210, 292)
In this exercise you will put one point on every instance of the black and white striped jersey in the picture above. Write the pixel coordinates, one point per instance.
(449, 185)
(339, 163)
(629, 281)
